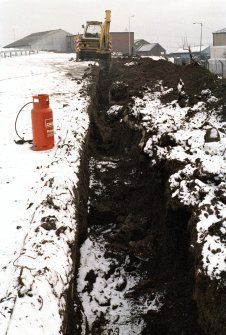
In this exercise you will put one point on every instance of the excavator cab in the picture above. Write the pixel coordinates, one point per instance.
(95, 43)
(93, 29)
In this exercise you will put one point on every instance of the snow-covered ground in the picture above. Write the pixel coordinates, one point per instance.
(38, 222)
(37, 191)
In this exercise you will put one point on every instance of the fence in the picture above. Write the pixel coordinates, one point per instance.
(218, 66)
(18, 52)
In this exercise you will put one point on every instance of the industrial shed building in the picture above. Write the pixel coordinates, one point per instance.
(53, 40)
(151, 49)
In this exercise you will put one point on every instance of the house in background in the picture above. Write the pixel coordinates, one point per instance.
(139, 43)
(53, 40)
(150, 49)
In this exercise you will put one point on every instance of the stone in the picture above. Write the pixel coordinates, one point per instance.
(212, 135)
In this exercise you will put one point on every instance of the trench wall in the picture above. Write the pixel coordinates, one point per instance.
(204, 297)
(81, 194)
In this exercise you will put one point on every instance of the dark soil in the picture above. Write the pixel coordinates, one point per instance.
(134, 196)
(148, 72)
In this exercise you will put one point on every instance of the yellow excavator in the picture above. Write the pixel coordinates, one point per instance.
(95, 43)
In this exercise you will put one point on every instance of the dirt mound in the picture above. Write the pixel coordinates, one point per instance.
(140, 73)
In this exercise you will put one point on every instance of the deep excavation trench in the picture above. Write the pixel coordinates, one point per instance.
(143, 242)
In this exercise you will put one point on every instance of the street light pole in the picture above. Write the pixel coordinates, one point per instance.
(200, 37)
(129, 34)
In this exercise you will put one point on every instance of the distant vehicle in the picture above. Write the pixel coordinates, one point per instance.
(95, 43)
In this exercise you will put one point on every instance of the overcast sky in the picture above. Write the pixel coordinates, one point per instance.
(168, 22)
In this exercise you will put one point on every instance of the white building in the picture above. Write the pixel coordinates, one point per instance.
(217, 61)
(53, 40)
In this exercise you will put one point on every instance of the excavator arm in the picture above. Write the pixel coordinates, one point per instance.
(105, 31)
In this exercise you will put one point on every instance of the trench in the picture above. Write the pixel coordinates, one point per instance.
(136, 274)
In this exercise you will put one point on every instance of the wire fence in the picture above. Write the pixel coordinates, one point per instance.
(218, 66)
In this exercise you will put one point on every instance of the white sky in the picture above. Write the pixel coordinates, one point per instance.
(168, 22)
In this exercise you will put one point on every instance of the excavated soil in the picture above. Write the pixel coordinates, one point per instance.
(129, 211)
(147, 72)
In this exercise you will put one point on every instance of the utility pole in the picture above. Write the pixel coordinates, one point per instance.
(129, 35)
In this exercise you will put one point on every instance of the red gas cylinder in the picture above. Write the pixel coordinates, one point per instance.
(42, 123)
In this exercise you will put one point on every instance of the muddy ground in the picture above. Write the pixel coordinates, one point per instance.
(128, 204)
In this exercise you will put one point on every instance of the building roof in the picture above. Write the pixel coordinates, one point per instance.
(193, 49)
(220, 31)
(148, 47)
(139, 43)
(30, 39)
